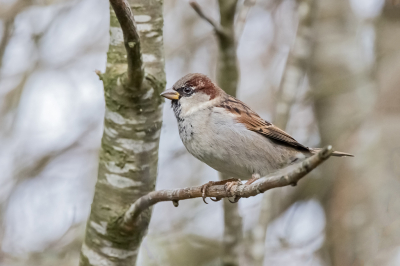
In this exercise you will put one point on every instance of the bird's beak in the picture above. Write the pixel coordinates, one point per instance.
(170, 94)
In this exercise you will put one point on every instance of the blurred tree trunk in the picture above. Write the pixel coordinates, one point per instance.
(355, 116)
(344, 90)
(227, 79)
(276, 202)
(342, 78)
(227, 66)
(129, 149)
(364, 212)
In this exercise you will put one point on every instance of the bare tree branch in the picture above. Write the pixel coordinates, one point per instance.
(218, 29)
(288, 176)
(131, 40)
(297, 63)
(7, 32)
(242, 16)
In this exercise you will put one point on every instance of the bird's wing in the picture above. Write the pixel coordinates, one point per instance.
(255, 123)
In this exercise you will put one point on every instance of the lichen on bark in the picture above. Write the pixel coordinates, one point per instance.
(129, 147)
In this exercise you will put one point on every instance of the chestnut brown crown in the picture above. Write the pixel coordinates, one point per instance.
(190, 84)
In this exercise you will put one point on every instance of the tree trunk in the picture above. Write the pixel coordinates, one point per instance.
(364, 212)
(344, 93)
(227, 79)
(129, 148)
(277, 201)
(227, 66)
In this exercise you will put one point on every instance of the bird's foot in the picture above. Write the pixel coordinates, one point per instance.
(205, 187)
(228, 187)
(216, 199)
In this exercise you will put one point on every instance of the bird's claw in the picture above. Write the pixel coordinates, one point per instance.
(216, 199)
(235, 199)
(228, 187)
(204, 190)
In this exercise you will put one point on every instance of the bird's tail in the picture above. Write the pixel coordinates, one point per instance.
(335, 153)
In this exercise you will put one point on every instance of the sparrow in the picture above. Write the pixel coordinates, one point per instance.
(229, 136)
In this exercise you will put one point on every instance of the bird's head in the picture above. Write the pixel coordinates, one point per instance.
(193, 92)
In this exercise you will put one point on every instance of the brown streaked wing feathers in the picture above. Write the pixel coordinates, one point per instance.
(255, 123)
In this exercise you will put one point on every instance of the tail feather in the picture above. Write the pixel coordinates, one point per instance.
(335, 153)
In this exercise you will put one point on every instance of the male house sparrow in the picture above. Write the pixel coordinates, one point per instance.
(227, 135)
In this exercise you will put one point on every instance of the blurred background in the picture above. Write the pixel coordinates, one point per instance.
(327, 71)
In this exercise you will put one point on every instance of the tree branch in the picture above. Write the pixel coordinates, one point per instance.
(288, 176)
(297, 63)
(242, 17)
(217, 27)
(131, 41)
(7, 31)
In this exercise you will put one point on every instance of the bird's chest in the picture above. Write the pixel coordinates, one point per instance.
(191, 127)
(196, 133)
(186, 130)
(206, 137)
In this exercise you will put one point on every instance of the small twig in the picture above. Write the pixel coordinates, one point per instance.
(7, 32)
(131, 40)
(288, 176)
(242, 17)
(297, 64)
(218, 29)
(99, 74)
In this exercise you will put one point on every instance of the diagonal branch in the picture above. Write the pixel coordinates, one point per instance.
(242, 17)
(297, 63)
(288, 176)
(131, 41)
(7, 32)
(218, 29)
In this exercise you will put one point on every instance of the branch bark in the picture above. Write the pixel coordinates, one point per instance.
(125, 17)
(288, 176)
(133, 80)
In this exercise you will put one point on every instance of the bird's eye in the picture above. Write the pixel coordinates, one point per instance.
(187, 90)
